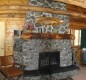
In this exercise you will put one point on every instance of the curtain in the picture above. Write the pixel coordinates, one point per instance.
(83, 38)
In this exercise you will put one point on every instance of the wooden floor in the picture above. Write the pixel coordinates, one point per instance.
(80, 76)
(2, 77)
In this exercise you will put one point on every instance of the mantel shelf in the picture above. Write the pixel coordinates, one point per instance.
(47, 36)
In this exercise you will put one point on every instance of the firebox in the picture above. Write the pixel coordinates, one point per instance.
(49, 61)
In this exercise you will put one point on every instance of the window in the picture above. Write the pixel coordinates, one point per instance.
(77, 34)
(77, 40)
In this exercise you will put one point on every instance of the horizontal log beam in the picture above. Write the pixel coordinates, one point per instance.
(14, 2)
(12, 19)
(81, 3)
(12, 16)
(42, 9)
(77, 25)
(76, 9)
(13, 7)
(72, 26)
(2, 12)
(24, 9)
(79, 20)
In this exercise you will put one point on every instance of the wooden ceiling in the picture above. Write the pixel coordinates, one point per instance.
(76, 9)
(13, 8)
(81, 3)
(13, 2)
(77, 22)
(18, 8)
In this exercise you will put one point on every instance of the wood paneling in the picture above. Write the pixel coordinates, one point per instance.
(23, 10)
(12, 16)
(76, 9)
(13, 2)
(76, 25)
(12, 12)
(11, 25)
(81, 3)
(42, 9)
(77, 22)
(18, 8)
(80, 20)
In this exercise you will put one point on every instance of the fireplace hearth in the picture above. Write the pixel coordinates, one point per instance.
(48, 61)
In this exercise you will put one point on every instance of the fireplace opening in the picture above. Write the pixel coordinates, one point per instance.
(49, 61)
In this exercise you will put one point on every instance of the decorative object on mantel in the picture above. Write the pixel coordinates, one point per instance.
(49, 21)
(47, 36)
(28, 27)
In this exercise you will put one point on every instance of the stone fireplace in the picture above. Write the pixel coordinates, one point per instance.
(28, 52)
(43, 57)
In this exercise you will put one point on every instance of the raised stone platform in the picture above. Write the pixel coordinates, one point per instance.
(52, 71)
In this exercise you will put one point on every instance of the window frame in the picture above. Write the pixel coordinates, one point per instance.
(72, 31)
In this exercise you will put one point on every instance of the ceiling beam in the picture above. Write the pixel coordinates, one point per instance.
(42, 9)
(24, 9)
(79, 20)
(14, 7)
(14, 2)
(81, 3)
(12, 19)
(77, 14)
(12, 12)
(76, 25)
(12, 16)
(75, 9)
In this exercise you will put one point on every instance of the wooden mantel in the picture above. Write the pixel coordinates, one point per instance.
(47, 36)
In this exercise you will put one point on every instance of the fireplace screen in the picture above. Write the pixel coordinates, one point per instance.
(48, 61)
